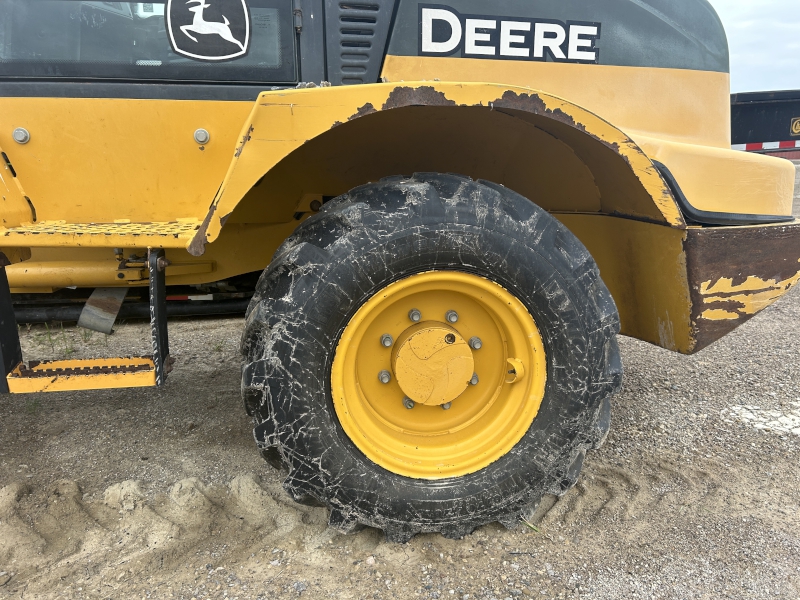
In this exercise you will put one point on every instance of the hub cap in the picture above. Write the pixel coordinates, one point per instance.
(432, 364)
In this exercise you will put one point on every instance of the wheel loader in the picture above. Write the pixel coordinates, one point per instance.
(456, 207)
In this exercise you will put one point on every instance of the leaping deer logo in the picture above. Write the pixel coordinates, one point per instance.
(201, 26)
(221, 33)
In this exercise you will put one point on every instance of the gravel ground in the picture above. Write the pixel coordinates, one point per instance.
(161, 494)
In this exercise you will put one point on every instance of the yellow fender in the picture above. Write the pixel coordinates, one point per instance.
(283, 121)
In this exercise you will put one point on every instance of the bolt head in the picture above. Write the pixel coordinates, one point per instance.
(384, 377)
(475, 343)
(447, 406)
(202, 137)
(21, 135)
(409, 403)
(415, 315)
(387, 340)
(474, 380)
(451, 316)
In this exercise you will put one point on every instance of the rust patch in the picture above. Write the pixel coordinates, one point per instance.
(197, 247)
(365, 110)
(532, 103)
(245, 138)
(422, 96)
(734, 273)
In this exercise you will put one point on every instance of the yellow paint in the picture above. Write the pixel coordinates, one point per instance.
(433, 363)
(14, 208)
(753, 296)
(680, 117)
(240, 249)
(644, 267)
(48, 234)
(283, 121)
(723, 180)
(96, 160)
(485, 420)
(16, 255)
(671, 104)
(62, 382)
(719, 315)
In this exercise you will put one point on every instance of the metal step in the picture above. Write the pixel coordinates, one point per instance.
(19, 377)
(86, 374)
(123, 234)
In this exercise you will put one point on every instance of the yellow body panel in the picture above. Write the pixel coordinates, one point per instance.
(672, 104)
(15, 209)
(283, 121)
(644, 267)
(94, 160)
(90, 374)
(679, 117)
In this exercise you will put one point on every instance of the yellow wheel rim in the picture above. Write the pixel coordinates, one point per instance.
(455, 425)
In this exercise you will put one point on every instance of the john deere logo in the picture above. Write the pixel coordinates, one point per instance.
(209, 30)
(796, 126)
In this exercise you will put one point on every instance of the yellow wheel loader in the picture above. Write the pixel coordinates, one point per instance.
(456, 208)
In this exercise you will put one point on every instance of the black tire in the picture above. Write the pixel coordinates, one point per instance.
(380, 233)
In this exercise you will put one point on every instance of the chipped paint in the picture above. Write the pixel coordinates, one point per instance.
(748, 298)
(735, 273)
(283, 121)
(245, 138)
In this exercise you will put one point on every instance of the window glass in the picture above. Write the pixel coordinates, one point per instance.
(198, 40)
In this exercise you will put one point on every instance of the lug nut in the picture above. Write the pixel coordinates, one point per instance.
(409, 403)
(447, 406)
(415, 315)
(387, 340)
(451, 316)
(385, 377)
(475, 343)
(474, 380)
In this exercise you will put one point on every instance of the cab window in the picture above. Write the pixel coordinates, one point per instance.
(249, 41)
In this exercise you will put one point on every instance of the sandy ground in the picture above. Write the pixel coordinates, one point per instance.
(161, 494)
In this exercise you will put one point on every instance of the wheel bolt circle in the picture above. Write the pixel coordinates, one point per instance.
(384, 377)
(451, 316)
(447, 406)
(474, 380)
(409, 403)
(387, 340)
(415, 315)
(475, 343)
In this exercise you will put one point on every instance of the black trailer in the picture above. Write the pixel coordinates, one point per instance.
(767, 122)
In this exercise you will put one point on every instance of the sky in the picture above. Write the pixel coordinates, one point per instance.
(764, 39)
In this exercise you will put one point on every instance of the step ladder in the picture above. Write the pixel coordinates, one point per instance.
(19, 377)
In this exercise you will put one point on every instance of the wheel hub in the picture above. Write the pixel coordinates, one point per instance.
(433, 363)
(438, 375)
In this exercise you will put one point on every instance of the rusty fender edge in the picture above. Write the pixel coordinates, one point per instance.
(736, 272)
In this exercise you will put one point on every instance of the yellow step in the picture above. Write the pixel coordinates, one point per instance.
(86, 374)
(174, 234)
